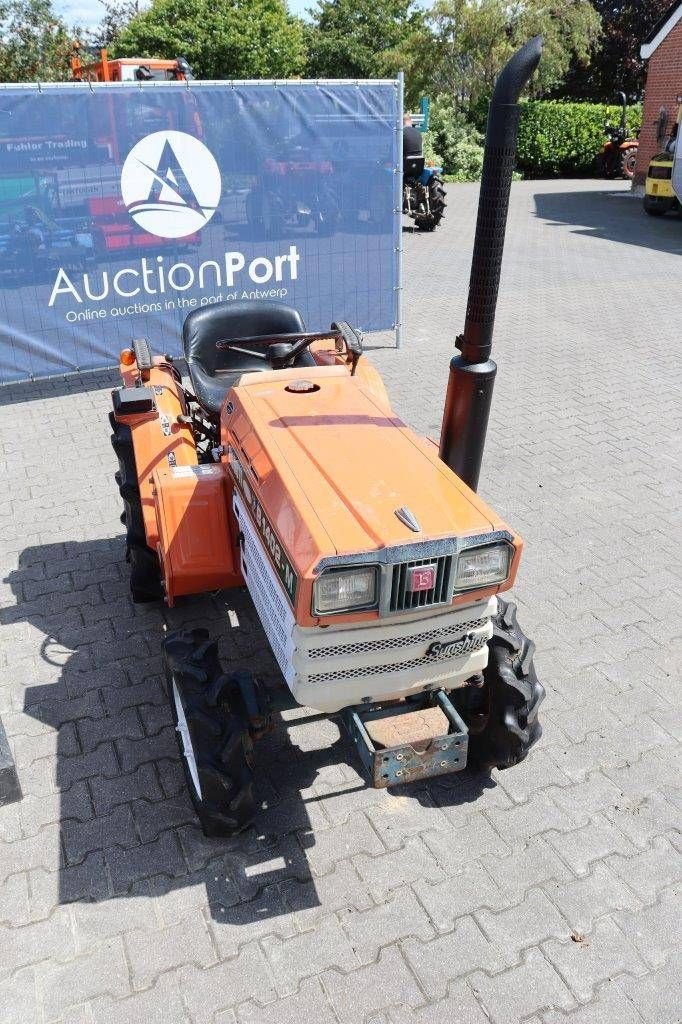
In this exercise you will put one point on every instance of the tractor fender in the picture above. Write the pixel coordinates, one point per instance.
(158, 439)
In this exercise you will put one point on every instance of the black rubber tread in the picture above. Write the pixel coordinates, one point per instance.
(512, 696)
(218, 730)
(624, 157)
(437, 205)
(145, 571)
(655, 207)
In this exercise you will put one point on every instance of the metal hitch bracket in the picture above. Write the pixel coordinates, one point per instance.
(407, 762)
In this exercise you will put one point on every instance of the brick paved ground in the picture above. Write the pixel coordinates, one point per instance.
(457, 901)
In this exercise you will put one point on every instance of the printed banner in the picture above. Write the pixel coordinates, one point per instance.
(122, 208)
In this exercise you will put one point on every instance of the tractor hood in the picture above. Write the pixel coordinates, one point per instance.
(331, 465)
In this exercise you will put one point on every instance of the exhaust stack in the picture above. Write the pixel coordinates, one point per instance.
(472, 373)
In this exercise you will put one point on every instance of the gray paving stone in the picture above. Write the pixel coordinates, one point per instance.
(307, 1006)
(584, 900)
(529, 864)
(657, 997)
(160, 1004)
(401, 916)
(523, 925)
(324, 848)
(654, 930)
(18, 997)
(153, 951)
(649, 872)
(451, 956)
(102, 971)
(604, 953)
(514, 995)
(81, 838)
(307, 954)
(459, 1005)
(223, 986)
(129, 866)
(266, 915)
(469, 890)
(592, 842)
(610, 1005)
(387, 871)
(95, 921)
(371, 988)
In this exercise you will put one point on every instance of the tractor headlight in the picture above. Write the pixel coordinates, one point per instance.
(483, 567)
(344, 590)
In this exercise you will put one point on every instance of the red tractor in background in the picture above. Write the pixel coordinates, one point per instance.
(619, 153)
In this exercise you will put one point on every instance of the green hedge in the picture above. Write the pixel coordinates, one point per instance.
(558, 139)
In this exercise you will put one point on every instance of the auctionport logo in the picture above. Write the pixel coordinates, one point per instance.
(170, 184)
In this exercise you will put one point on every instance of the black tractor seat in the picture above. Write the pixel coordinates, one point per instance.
(212, 371)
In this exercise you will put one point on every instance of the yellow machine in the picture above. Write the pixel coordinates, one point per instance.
(659, 197)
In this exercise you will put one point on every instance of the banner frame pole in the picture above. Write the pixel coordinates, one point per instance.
(398, 214)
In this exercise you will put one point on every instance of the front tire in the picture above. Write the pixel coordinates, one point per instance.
(212, 733)
(657, 207)
(505, 726)
(437, 204)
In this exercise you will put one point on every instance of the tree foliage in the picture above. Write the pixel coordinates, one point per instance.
(359, 38)
(34, 42)
(465, 43)
(219, 38)
(616, 65)
(453, 143)
(117, 14)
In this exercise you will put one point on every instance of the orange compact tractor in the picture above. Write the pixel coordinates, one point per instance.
(372, 563)
(129, 69)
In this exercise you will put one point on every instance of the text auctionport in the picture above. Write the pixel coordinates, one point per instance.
(153, 277)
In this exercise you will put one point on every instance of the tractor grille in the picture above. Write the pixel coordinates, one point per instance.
(392, 643)
(403, 600)
(466, 645)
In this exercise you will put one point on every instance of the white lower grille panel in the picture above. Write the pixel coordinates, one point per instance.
(329, 669)
(274, 610)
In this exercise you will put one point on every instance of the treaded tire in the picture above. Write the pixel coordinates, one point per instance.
(437, 205)
(513, 693)
(145, 571)
(628, 161)
(214, 739)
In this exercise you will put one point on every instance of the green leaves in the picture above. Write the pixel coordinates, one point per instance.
(565, 138)
(219, 38)
(465, 44)
(453, 143)
(34, 43)
(359, 38)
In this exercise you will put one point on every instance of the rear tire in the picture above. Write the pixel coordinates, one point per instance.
(628, 161)
(145, 571)
(212, 732)
(437, 205)
(507, 727)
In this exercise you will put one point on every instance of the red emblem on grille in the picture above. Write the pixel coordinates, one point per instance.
(422, 577)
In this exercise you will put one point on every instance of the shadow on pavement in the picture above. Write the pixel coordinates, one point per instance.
(127, 826)
(614, 215)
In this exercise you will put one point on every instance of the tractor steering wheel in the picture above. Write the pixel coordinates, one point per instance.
(282, 349)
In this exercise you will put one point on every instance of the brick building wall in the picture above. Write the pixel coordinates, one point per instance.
(663, 86)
